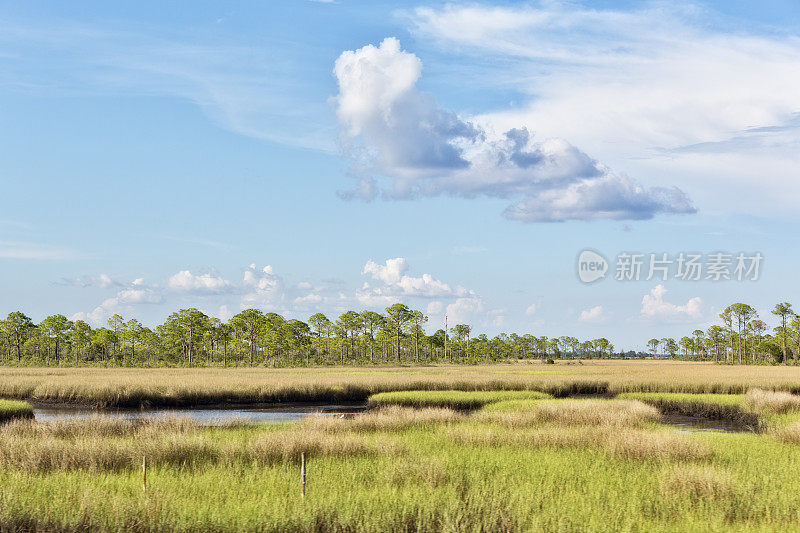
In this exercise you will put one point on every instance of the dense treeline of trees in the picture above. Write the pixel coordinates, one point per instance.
(742, 338)
(256, 338)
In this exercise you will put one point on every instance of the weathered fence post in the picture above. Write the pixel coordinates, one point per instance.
(144, 474)
(303, 474)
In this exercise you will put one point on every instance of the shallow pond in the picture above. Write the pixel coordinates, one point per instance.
(695, 423)
(206, 416)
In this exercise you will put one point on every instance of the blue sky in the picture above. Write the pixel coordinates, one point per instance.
(302, 156)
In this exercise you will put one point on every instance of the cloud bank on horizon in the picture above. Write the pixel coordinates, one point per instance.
(396, 133)
(387, 283)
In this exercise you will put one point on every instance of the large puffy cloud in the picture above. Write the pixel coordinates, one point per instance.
(378, 100)
(399, 134)
(655, 308)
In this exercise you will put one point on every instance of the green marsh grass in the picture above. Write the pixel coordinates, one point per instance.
(444, 470)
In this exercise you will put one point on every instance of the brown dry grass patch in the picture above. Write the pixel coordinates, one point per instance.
(697, 482)
(618, 413)
(627, 443)
(659, 445)
(288, 445)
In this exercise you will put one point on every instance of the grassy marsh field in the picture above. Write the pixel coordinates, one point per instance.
(191, 387)
(515, 465)
(457, 449)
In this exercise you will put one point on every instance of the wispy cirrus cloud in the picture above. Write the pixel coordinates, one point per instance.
(668, 92)
(34, 251)
(251, 89)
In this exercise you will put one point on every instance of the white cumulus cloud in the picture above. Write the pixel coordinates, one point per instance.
(655, 308)
(465, 310)
(593, 315)
(262, 287)
(123, 303)
(207, 283)
(393, 274)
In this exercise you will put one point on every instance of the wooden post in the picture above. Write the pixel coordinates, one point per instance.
(144, 474)
(303, 474)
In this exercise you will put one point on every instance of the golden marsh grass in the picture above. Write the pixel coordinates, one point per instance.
(185, 387)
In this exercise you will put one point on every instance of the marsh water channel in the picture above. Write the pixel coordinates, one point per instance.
(276, 413)
(210, 416)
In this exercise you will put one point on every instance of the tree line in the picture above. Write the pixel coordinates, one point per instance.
(189, 337)
(741, 338)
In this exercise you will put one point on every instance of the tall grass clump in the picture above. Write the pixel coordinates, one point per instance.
(102, 444)
(387, 418)
(100, 426)
(655, 445)
(587, 412)
(277, 446)
(697, 482)
(778, 402)
(14, 410)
